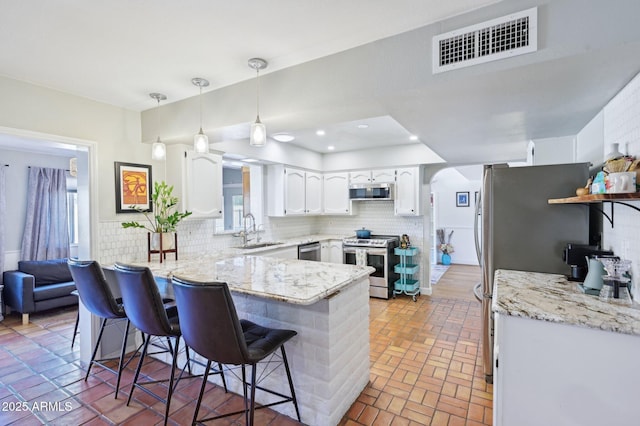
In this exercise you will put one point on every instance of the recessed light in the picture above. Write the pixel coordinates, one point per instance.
(331, 147)
(413, 138)
(363, 126)
(320, 132)
(249, 160)
(283, 137)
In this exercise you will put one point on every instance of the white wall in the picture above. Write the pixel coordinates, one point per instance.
(444, 186)
(558, 150)
(590, 141)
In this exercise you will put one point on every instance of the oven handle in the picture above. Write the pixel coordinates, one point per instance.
(372, 251)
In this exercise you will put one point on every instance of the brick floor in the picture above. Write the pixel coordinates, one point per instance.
(425, 370)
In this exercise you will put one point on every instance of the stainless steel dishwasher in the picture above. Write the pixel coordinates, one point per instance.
(309, 251)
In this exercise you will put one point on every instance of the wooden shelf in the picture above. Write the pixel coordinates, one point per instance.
(611, 199)
(596, 198)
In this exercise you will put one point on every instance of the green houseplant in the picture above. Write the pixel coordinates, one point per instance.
(164, 217)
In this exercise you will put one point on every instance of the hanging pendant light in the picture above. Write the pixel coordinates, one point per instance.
(258, 134)
(200, 140)
(158, 149)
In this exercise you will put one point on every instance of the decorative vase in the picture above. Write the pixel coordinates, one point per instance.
(446, 259)
(168, 241)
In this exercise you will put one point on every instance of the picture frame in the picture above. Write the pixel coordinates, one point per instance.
(133, 187)
(462, 199)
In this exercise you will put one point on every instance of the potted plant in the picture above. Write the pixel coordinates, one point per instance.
(163, 218)
(445, 246)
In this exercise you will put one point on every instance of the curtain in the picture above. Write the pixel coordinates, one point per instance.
(3, 217)
(46, 230)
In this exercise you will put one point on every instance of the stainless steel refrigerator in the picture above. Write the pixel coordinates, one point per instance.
(517, 229)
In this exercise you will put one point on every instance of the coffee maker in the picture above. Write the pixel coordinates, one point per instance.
(575, 255)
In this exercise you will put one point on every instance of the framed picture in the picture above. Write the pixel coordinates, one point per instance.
(462, 199)
(133, 187)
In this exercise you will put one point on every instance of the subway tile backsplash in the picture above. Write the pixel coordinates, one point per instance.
(622, 126)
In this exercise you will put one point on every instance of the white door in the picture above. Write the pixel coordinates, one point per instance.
(407, 191)
(336, 193)
(313, 193)
(294, 192)
(203, 186)
(360, 177)
(383, 176)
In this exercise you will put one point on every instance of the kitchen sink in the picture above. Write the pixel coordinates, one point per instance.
(259, 245)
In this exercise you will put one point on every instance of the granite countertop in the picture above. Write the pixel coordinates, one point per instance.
(289, 280)
(551, 297)
(289, 242)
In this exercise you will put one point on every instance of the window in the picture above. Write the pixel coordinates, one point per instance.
(237, 179)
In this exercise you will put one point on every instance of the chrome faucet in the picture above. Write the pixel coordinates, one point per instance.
(251, 229)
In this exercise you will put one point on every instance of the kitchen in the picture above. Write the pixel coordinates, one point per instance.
(115, 137)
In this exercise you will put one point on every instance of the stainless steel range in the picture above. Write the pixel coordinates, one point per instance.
(378, 253)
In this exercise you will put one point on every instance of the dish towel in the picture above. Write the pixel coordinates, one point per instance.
(361, 257)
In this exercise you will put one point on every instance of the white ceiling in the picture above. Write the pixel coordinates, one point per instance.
(119, 51)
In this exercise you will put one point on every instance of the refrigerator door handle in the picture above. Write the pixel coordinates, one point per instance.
(476, 228)
(477, 291)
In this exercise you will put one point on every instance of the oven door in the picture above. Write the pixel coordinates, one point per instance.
(376, 258)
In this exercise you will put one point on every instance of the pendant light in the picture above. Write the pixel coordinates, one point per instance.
(200, 140)
(258, 135)
(158, 149)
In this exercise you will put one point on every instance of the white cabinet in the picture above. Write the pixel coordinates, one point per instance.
(313, 193)
(549, 373)
(294, 188)
(197, 180)
(371, 176)
(335, 193)
(331, 251)
(293, 191)
(408, 191)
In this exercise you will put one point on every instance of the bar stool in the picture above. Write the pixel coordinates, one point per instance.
(146, 311)
(226, 339)
(96, 295)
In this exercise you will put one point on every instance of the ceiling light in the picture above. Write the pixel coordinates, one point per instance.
(413, 138)
(363, 126)
(331, 147)
(283, 137)
(250, 160)
(200, 140)
(158, 149)
(320, 132)
(258, 134)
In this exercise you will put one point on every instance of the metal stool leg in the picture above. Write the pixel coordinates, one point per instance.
(75, 330)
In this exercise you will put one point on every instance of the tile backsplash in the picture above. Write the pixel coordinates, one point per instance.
(622, 126)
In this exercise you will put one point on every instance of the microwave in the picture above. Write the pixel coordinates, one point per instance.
(371, 191)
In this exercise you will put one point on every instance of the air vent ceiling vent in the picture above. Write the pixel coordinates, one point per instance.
(499, 38)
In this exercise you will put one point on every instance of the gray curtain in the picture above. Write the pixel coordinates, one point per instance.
(46, 230)
(3, 217)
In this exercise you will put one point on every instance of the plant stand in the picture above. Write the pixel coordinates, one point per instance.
(406, 284)
(161, 251)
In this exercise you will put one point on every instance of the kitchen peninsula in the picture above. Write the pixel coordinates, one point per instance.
(327, 304)
(562, 357)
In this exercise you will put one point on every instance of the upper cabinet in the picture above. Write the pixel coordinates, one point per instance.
(336, 193)
(408, 191)
(293, 191)
(301, 192)
(197, 180)
(372, 176)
